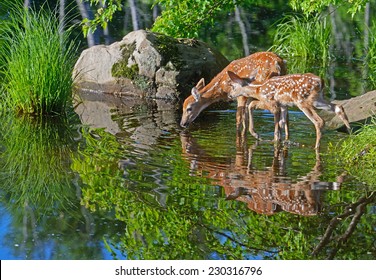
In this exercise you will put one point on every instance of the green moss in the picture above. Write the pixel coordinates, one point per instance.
(121, 68)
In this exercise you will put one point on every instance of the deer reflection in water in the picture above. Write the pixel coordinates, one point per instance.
(264, 191)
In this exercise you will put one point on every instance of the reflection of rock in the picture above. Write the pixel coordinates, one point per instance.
(119, 116)
(357, 109)
(147, 64)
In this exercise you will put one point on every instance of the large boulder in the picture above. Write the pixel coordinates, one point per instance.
(147, 64)
(357, 109)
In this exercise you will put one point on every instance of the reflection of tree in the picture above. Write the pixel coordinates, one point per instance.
(352, 210)
(166, 211)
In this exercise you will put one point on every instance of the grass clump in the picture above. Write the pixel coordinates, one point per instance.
(302, 38)
(36, 62)
(358, 153)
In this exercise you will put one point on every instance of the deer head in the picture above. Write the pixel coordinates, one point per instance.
(193, 105)
(238, 83)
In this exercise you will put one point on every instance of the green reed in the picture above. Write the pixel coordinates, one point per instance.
(36, 62)
(304, 39)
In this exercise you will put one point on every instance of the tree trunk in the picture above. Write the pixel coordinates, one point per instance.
(27, 3)
(106, 31)
(85, 11)
(243, 31)
(155, 12)
(367, 13)
(62, 15)
(133, 7)
(365, 71)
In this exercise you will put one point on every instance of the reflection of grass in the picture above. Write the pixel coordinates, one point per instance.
(36, 61)
(33, 167)
(304, 37)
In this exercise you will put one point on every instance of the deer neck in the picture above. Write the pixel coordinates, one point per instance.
(214, 92)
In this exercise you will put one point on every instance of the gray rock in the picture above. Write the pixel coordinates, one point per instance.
(146, 64)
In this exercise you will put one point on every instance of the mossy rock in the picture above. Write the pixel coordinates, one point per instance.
(168, 48)
(147, 64)
(121, 68)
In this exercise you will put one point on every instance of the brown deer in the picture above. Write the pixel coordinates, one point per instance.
(260, 65)
(305, 91)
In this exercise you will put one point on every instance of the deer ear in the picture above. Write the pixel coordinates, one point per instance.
(241, 81)
(254, 74)
(200, 84)
(235, 78)
(196, 95)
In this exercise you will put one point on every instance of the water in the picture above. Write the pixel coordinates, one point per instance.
(121, 180)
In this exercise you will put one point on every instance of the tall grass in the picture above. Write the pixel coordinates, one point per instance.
(36, 62)
(304, 40)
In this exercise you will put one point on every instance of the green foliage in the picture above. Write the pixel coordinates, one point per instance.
(104, 13)
(313, 7)
(185, 18)
(304, 37)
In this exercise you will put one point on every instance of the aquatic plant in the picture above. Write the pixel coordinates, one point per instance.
(36, 62)
(306, 38)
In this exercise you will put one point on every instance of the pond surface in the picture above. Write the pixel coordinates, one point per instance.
(119, 179)
(134, 185)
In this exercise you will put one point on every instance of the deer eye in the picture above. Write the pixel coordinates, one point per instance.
(189, 109)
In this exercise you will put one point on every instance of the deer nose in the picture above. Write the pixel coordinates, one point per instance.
(183, 124)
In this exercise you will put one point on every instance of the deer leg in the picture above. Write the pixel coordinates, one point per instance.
(284, 121)
(240, 112)
(277, 119)
(316, 120)
(252, 105)
(274, 108)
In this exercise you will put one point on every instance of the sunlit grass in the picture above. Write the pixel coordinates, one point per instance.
(36, 62)
(305, 38)
(358, 153)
